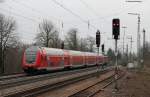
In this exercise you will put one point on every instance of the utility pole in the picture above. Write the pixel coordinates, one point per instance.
(131, 41)
(62, 43)
(138, 32)
(1, 53)
(124, 27)
(143, 44)
(138, 37)
(127, 52)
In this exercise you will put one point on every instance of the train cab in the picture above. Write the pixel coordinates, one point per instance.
(32, 59)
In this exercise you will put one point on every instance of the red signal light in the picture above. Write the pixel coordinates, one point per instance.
(116, 28)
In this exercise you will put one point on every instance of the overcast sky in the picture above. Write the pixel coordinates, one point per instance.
(29, 13)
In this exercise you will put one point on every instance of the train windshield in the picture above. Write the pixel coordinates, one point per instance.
(31, 54)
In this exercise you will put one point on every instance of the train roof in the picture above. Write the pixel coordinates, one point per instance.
(33, 48)
(56, 51)
(53, 51)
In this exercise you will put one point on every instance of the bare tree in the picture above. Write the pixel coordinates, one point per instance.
(55, 41)
(83, 45)
(87, 44)
(72, 39)
(48, 36)
(7, 38)
(90, 43)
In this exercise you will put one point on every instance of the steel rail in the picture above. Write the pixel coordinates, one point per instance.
(39, 89)
(16, 75)
(106, 85)
(30, 79)
(59, 85)
(93, 85)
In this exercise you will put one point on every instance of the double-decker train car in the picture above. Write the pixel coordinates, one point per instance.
(43, 59)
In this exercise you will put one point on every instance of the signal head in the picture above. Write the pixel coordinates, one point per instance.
(116, 28)
(98, 36)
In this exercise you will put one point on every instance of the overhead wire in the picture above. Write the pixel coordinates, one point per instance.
(61, 5)
(94, 12)
(74, 14)
(35, 10)
(116, 13)
(27, 18)
(88, 7)
(24, 17)
(38, 11)
(91, 9)
(16, 14)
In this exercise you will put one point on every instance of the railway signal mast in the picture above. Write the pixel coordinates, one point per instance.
(116, 34)
(103, 50)
(98, 40)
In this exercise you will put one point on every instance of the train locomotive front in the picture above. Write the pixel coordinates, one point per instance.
(32, 59)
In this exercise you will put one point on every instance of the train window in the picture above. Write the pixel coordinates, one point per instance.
(30, 55)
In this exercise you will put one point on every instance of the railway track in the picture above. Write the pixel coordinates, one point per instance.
(7, 77)
(96, 88)
(24, 79)
(23, 86)
(64, 83)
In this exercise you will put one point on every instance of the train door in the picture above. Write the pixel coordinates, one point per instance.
(43, 59)
(66, 59)
(84, 59)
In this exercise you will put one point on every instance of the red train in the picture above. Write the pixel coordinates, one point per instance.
(41, 58)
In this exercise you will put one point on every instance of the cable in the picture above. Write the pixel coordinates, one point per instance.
(27, 18)
(33, 9)
(18, 10)
(90, 8)
(113, 14)
(16, 14)
(76, 15)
